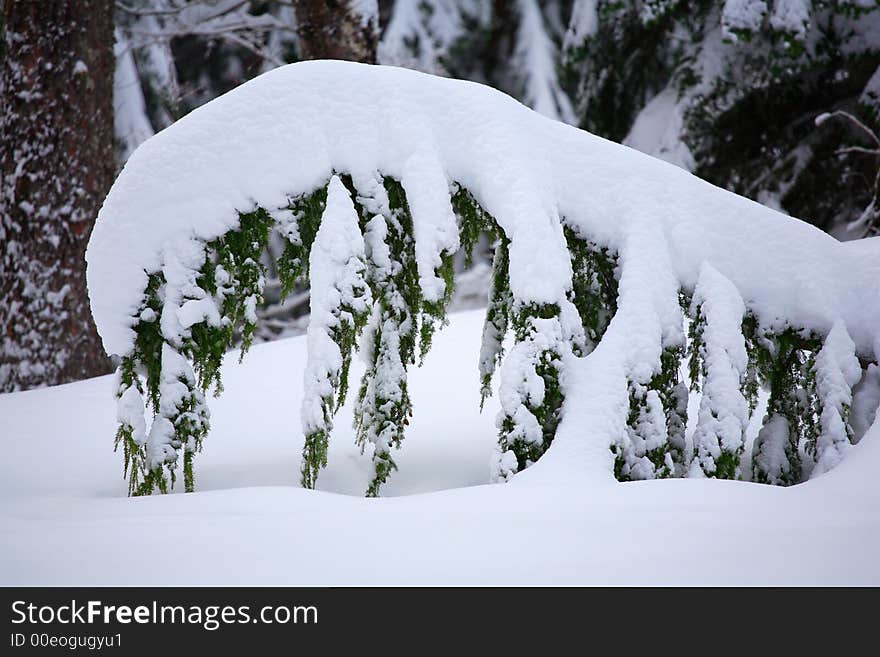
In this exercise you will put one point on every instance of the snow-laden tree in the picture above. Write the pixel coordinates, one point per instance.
(728, 89)
(512, 45)
(602, 257)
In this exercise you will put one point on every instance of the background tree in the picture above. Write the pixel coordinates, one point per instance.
(56, 162)
(337, 29)
(729, 89)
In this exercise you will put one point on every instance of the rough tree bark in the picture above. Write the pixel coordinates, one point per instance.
(56, 162)
(335, 29)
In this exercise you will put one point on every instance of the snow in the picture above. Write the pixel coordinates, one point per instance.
(865, 401)
(368, 10)
(336, 271)
(871, 93)
(419, 34)
(526, 170)
(131, 126)
(657, 130)
(772, 439)
(434, 225)
(185, 303)
(792, 17)
(648, 319)
(130, 412)
(724, 415)
(584, 23)
(176, 390)
(68, 520)
(742, 16)
(534, 58)
(837, 371)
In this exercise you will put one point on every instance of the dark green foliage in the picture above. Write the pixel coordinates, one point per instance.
(383, 411)
(402, 327)
(405, 282)
(237, 255)
(695, 363)
(133, 455)
(434, 312)
(656, 455)
(404, 320)
(351, 319)
(473, 221)
(385, 465)
(209, 345)
(613, 74)
(236, 291)
(240, 256)
(594, 293)
(758, 137)
(547, 364)
(294, 261)
(143, 370)
(232, 274)
(498, 315)
(727, 463)
(314, 456)
(148, 339)
(748, 108)
(593, 285)
(154, 480)
(669, 453)
(784, 363)
(191, 426)
(673, 396)
(752, 382)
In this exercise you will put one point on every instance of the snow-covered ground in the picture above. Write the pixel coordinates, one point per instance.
(66, 519)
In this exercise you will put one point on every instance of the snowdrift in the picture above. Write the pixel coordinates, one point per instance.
(68, 522)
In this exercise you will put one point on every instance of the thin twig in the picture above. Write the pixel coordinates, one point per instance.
(858, 149)
(822, 118)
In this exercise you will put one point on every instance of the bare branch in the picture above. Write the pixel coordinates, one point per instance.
(135, 11)
(858, 149)
(822, 118)
(233, 38)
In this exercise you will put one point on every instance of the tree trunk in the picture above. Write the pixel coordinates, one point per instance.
(334, 29)
(56, 161)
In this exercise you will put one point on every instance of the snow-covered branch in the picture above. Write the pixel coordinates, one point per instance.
(602, 256)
